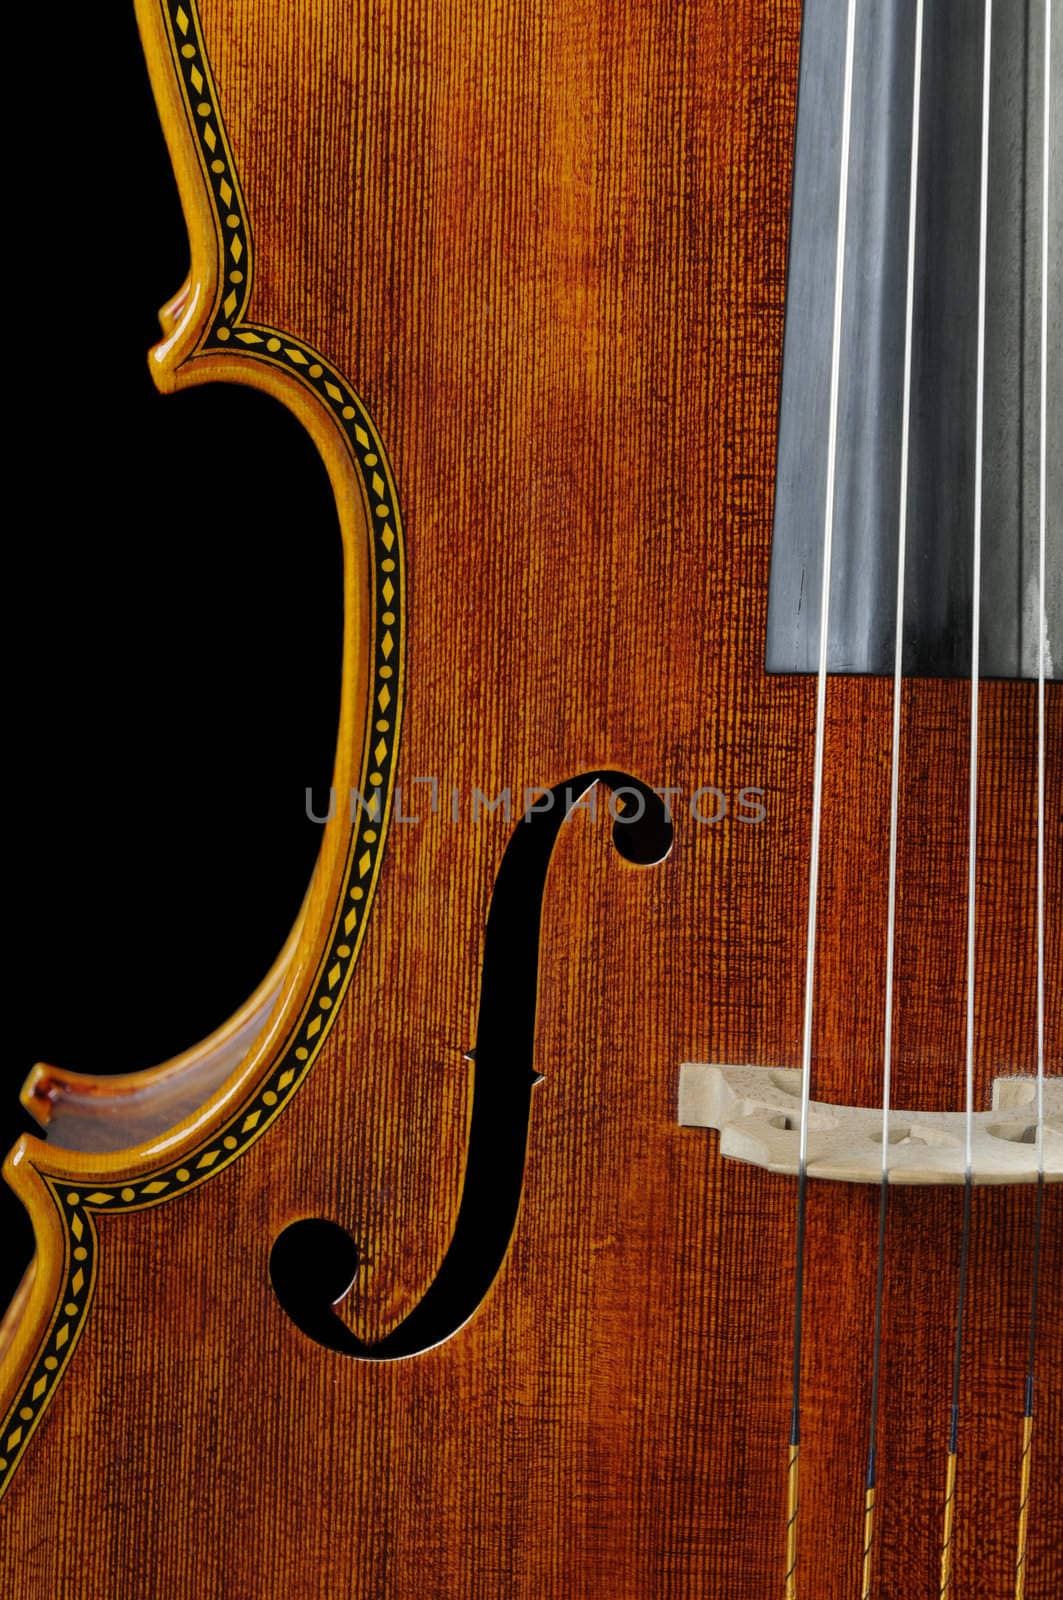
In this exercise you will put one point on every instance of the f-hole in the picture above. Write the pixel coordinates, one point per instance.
(314, 1263)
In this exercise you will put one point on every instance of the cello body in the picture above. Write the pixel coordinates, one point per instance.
(521, 274)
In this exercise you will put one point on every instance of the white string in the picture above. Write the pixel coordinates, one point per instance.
(902, 544)
(824, 610)
(976, 596)
(1042, 620)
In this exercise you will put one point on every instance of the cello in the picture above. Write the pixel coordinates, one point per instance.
(637, 1174)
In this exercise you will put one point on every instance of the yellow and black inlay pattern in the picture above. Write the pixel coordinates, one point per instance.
(219, 169)
(79, 1278)
(227, 329)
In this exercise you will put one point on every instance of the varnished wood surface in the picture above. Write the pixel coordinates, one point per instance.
(547, 246)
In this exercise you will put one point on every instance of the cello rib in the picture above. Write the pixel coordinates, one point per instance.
(86, 1111)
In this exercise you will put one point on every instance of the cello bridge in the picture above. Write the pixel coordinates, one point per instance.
(757, 1113)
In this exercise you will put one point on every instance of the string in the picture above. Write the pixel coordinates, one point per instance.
(793, 1497)
(1042, 618)
(895, 748)
(972, 835)
(1042, 630)
(976, 594)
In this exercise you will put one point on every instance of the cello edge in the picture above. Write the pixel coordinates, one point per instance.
(207, 339)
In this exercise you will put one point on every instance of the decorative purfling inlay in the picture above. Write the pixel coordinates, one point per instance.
(226, 331)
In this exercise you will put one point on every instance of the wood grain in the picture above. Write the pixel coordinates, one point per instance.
(547, 245)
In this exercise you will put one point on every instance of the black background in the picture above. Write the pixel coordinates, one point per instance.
(172, 617)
